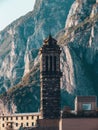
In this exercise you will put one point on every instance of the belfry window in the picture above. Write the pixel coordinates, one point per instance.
(50, 63)
(46, 63)
(54, 63)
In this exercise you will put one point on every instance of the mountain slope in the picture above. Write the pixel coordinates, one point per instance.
(19, 41)
(23, 97)
(19, 44)
(81, 38)
(79, 55)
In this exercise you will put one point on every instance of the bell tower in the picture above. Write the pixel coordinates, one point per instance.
(50, 75)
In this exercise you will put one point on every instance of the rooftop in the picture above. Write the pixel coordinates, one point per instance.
(50, 41)
(86, 98)
(22, 114)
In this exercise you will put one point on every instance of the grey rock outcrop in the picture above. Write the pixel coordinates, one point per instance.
(79, 62)
(19, 45)
(20, 41)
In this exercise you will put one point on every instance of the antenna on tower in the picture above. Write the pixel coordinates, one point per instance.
(50, 34)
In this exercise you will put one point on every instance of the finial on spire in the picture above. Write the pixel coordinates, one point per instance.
(50, 40)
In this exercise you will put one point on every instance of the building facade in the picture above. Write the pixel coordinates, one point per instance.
(79, 124)
(85, 103)
(15, 121)
(50, 75)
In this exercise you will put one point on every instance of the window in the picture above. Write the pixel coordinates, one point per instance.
(86, 106)
(11, 125)
(32, 117)
(54, 63)
(6, 118)
(50, 63)
(16, 124)
(21, 124)
(3, 118)
(27, 117)
(32, 123)
(21, 117)
(27, 124)
(11, 118)
(46, 63)
(37, 117)
(16, 118)
(2, 125)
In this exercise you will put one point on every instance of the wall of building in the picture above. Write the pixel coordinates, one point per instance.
(80, 100)
(79, 106)
(79, 124)
(17, 120)
(47, 124)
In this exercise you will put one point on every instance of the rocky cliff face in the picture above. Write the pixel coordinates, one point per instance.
(21, 39)
(19, 44)
(78, 41)
(80, 49)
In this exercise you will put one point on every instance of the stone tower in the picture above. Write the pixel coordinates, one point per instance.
(50, 75)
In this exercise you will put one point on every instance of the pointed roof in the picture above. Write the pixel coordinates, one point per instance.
(50, 45)
(50, 41)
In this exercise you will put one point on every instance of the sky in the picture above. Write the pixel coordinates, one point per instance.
(10, 10)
